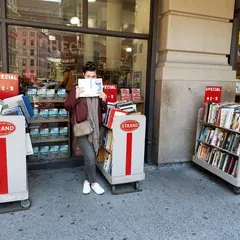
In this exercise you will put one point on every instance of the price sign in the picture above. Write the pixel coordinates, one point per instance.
(213, 94)
(8, 85)
(111, 91)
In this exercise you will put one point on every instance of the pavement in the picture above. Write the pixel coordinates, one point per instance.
(177, 202)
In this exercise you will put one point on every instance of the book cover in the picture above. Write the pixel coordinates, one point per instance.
(92, 87)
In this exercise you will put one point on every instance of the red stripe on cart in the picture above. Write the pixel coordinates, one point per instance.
(128, 170)
(3, 166)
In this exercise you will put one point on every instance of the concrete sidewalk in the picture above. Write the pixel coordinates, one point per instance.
(176, 203)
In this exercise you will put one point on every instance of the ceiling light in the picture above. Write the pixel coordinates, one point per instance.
(91, 0)
(75, 21)
(52, 38)
(128, 49)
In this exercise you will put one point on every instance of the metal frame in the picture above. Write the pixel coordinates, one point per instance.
(151, 60)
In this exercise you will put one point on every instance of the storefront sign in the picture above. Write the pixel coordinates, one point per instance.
(8, 85)
(6, 128)
(129, 125)
(213, 94)
(111, 91)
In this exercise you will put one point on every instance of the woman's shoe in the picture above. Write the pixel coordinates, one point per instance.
(86, 187)
(97, 188)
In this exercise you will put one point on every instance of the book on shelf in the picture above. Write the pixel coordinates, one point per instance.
(106, 139)
(111, 113)
(223, 161)
(105, 160)
(225, 115)
(221, 139)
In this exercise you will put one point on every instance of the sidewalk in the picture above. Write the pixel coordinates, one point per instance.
(176, 203)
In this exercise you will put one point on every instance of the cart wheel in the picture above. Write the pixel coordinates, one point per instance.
(25, 203)
(236, 190)
(137, 186)
(113, 189)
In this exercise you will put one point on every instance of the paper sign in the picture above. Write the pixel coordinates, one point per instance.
(111, 91)
(92, 86)
(125, 95)
(213, 94)
(8, 85)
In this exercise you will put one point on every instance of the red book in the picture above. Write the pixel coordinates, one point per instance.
(114, 112)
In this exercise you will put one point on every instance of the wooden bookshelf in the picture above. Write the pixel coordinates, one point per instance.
(49, 140)
(50, 121)
(48, 100)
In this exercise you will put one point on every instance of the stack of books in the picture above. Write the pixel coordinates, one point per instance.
(105, 160)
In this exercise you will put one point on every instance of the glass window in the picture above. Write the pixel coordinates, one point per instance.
(120, 15)
(32, 52)
(24, 42)
(120, 61)
(24, 33)
(32, 34)
(51, 11)
(32, 42)
(24, 52)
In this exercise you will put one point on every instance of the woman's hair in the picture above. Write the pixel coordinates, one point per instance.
(90, 66)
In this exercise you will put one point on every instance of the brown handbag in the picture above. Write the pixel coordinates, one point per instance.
(82, 129)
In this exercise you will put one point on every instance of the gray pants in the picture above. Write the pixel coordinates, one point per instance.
(89, 158)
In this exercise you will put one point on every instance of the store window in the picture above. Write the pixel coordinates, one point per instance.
(120, 61)
(51, 11)
(120, 15)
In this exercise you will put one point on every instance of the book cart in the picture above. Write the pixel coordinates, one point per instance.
(49, 131)
(13, 167)
(219, 167)
(121, 155)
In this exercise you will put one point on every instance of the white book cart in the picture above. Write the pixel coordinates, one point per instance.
(127, 165)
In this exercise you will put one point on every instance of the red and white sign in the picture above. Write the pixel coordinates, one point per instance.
(8, 85)
(129, 125)
(29, 75)
(125, 95)
(136, 94)
(128, 148)
(213, 94)
(13, 168)
(6, 128)
(111, 91)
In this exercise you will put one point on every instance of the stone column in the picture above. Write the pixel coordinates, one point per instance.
(194, 39)
(113, 52)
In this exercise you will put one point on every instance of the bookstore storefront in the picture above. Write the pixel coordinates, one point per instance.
(40, 40)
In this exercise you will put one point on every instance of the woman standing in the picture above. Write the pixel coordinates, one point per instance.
(88, 109)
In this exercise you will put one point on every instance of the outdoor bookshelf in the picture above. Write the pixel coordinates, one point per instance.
(121, 153)
(216, 165)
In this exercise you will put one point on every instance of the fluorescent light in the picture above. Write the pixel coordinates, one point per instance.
(128, 49)
(52, 38)
(91, 0)
(75, 21)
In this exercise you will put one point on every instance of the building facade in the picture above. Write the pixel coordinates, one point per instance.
(175, 47)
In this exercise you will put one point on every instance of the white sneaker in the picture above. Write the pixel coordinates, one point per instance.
(86, 187)
(97, 188)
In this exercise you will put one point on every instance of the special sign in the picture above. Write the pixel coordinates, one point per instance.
(111, 91)
(213, 94)
(8, 85)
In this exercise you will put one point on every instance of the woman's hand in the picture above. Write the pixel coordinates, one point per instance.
(79, 91)
(103, 96)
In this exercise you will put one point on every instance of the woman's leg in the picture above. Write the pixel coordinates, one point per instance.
(89, 158)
